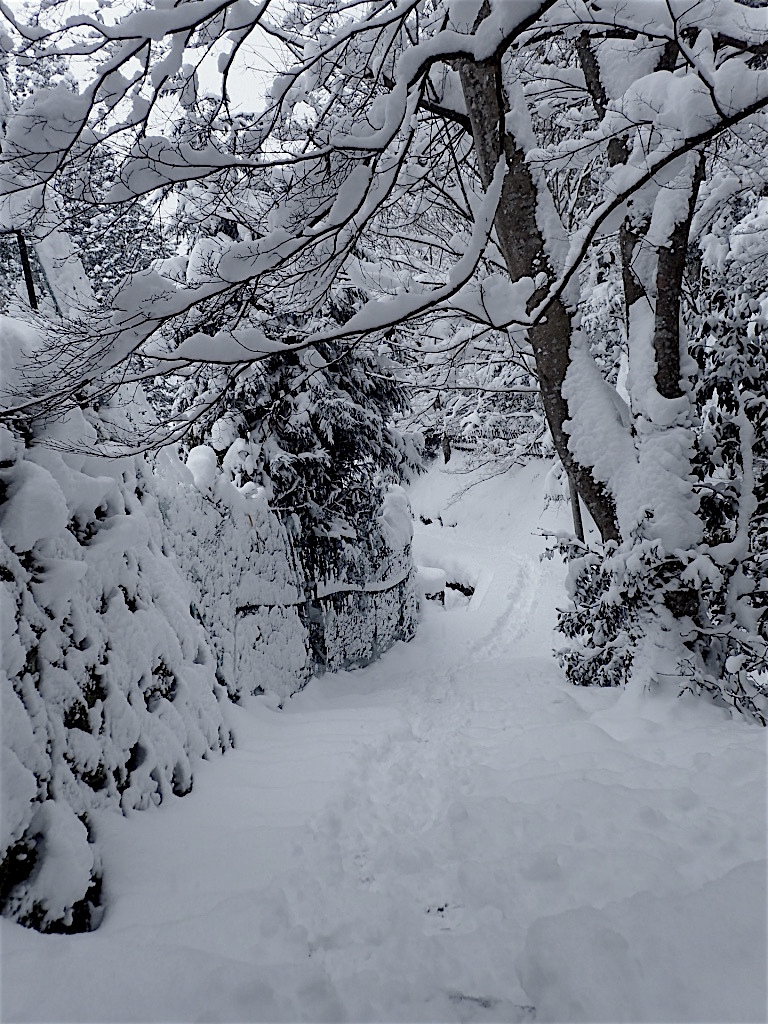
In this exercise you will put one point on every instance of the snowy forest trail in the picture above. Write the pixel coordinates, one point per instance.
(450, 834)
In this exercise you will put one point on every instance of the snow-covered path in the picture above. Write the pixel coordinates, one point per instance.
(451, 834)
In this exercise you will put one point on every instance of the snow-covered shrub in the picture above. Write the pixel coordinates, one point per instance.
(239, 561)
(715, 588)
(620, 596)
(314, 428)
(710, 589)
(630, 604)
(109, 692)
(596, 622)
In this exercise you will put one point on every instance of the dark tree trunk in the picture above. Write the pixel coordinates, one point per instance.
(522, 246)
(669, 287)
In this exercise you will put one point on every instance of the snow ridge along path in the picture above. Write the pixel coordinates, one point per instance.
(451, 834)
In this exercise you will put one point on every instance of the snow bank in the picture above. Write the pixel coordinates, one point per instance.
(431, 581)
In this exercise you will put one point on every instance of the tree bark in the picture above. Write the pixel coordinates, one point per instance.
(669, 286)
(522, 245)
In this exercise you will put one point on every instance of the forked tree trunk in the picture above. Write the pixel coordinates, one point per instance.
(522, 246)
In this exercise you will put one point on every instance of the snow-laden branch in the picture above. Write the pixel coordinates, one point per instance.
(628, 180)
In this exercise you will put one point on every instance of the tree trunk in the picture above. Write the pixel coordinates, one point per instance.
(669, 286)
(522, 246)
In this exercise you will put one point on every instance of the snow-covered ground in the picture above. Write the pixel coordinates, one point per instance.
(451, 834)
